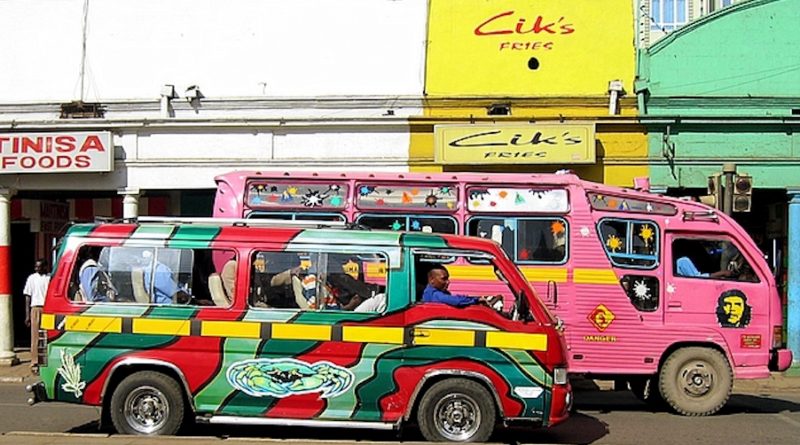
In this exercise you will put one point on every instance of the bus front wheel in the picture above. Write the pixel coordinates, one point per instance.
(696, 381)
(456, 410)
(147, 403)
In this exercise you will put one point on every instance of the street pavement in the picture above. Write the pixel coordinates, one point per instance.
(747, 408)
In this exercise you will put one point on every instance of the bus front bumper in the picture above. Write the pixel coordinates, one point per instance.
(780, 359)
(38, 393)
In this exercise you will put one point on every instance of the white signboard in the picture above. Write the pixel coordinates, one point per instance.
(56, 152)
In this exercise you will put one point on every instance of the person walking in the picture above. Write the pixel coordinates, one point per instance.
(35, 290)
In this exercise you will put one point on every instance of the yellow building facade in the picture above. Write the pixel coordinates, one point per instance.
(521, 71)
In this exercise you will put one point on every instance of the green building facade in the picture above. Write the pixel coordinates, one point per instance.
(726, 89)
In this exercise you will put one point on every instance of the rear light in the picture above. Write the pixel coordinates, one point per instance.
(777, 337)
(41, 348)
(560, 405)
(560, 376)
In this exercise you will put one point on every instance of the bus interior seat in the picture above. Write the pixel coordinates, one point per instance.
(140, 294)
(217, 291)
(228, 277)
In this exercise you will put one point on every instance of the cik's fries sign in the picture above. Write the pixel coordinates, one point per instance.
(529, 47)
(56, 152)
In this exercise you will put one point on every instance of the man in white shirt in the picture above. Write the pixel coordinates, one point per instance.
(35, 291)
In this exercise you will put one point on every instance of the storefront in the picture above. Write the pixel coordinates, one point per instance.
(721, 93)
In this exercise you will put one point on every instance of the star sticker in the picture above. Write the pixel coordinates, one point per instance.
(671, 288)
(585, 231)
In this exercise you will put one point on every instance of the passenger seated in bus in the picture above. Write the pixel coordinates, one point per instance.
(375, 303)
(164, 287)
(95, 283)
(271, 289)
(436, 291)
(689, 251)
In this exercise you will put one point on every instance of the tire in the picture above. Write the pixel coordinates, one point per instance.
(147, 403)
(696, 381)
(457, 410)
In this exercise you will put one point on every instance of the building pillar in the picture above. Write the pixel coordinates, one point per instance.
(7, 355)
(793, 285)
(130, 202)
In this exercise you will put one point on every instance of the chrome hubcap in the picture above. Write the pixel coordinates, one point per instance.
(146, 409)
(457, 417)
(697, 379)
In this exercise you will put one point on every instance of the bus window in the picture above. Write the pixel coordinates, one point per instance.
(526, 240)
(411, 223)
(290, 216)
(630, 243)
(710, 258)
(427, 197)
(267, 195)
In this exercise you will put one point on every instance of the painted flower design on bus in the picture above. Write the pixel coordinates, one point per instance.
(647, 234)
(641, 290)
(71, 373)
(285, 377)
(614, 243)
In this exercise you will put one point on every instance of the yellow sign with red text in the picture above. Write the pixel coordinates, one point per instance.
(529, 47)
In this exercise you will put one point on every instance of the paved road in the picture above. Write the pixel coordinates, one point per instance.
(602, 417)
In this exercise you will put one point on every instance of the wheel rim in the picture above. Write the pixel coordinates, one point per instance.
(697, 378)
(457, 417)
(146, 409)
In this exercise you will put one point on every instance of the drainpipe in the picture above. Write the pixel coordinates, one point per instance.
(793, 279)
(7, 355)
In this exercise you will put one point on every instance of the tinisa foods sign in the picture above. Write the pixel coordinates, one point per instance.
(56, 152)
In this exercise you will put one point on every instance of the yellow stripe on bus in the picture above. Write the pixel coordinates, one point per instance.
(48, 321)
(516, 340)
(161, 327)
(240, 329)
(443, 337)
(594, 276)
(285, 331)
(363, 334)
(93, 324)
(544, 275)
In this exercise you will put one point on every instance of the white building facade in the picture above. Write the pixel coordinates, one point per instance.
(182, 91)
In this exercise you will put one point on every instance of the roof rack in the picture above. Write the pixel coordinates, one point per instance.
(255, 222)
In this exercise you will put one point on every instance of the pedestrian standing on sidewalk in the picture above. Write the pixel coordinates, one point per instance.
(35, 291)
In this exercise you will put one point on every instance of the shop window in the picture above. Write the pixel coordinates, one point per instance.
(526, 240)
(410, 223)
(630, 243)
(706, 258)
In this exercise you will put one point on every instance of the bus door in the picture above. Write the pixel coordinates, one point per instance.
(710, 282)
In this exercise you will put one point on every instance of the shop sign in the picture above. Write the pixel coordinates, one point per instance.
(56, 152)
(514, 144)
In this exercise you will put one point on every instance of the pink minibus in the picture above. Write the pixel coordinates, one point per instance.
(669, 295)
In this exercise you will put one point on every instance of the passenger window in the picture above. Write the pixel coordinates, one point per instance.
(642, 290)
(319, 281)
(630, 243)
(410, 223)
(290, 216)
(526, 240)
(710, 258)
(153, 275)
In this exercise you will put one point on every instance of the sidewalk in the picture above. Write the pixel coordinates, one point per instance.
(778, 381)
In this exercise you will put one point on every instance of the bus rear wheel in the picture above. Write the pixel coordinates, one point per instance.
(147, 403)
(696, 381)
(457, 410)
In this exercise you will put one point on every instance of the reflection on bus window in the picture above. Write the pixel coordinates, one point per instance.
(526, 240)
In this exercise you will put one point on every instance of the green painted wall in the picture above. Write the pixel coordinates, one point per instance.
(725, 89)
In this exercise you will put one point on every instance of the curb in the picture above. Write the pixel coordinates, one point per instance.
(11, 379)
